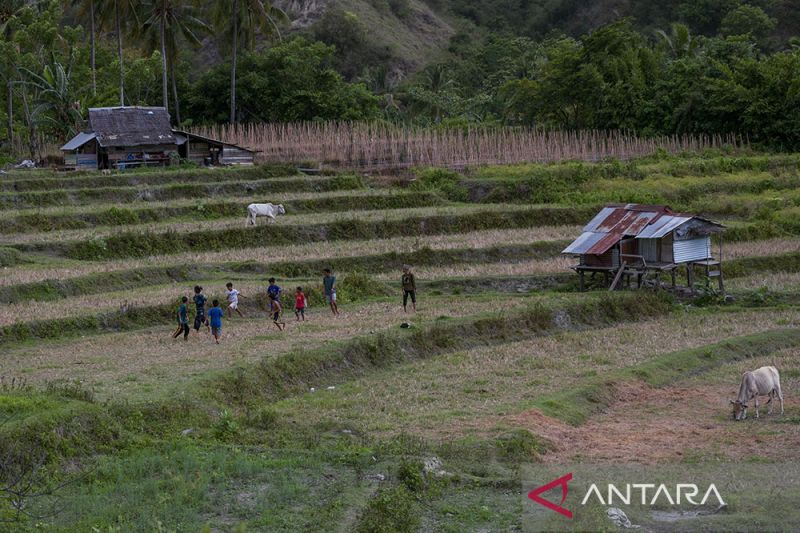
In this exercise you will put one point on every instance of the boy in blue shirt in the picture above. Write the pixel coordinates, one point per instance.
(215, 317)
(273, 291)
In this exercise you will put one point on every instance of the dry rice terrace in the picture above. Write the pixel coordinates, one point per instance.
(325, 425)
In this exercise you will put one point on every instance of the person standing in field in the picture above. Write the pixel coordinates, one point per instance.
(329, 283)
(215, 316)
(183, 320)
(200, 309)
(274, 291)
(275, 310)
(409, 289)
(233, 300)
(300, 304)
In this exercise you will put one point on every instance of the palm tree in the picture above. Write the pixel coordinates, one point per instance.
(112, 13)
(167, 21)
(240, 19)
(86, 14)
(679, 41)
(56, 98)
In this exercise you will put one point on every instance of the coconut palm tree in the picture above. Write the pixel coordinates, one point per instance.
(86, 14)
(679, 42)
(239, 21)
(167, 21)
(56, 98)
(117, 14)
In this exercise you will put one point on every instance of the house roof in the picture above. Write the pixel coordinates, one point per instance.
(131, 126)
(78, 141)
(183, 136)
(618, 221)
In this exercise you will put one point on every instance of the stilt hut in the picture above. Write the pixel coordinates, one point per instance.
(634, 241)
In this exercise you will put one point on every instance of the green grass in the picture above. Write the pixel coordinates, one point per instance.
(177, 190)
(212, 210)
(43, 181)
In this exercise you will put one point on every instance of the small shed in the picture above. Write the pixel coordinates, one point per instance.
(207, 151)
(131, 137)
(627, 240)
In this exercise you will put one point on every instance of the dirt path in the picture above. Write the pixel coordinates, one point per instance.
(647, 425)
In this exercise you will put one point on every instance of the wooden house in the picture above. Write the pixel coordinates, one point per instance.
(634, 240)
(132, 137)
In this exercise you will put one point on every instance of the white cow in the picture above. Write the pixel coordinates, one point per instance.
(263, 210)
(766, 381)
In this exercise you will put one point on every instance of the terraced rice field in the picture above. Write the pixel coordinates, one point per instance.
(505, 369)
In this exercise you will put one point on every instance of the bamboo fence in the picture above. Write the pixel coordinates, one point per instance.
(371, 146)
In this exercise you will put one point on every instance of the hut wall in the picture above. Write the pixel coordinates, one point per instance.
(236, 156)
(198, 151)
(648, 248)
(608, 259)
(692, 249)
(666, 250)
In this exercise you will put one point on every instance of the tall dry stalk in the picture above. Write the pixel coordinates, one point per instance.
(373, 146)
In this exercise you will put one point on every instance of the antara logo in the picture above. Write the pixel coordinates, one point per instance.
(687, 492)
(563, 481)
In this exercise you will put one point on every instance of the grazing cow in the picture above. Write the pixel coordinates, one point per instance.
(263, 210)
(766, 381)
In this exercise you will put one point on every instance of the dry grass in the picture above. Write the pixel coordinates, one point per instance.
(774, 281)
(137, 364)
(475, 239)
(472, 392)
(239, 222)
(763, 248)
(535, 266)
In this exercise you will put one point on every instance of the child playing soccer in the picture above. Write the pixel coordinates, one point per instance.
(276, 310)
(300, 304)
(215, 316)
(200, 309)
(183, 320)
(233, 300)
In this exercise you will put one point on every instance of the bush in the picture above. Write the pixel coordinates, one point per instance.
(10, 257)
(392, 510)
(439, 179)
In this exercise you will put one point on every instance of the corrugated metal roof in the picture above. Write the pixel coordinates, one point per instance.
(583, 243)
(663, 226)
(78, 141)
(615, 222)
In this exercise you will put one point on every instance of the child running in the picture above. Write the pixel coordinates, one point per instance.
(276, 309)
(274, 291)
(300, 304)
(183, 320)
(233, 300)
(215, 315)
(200, 309)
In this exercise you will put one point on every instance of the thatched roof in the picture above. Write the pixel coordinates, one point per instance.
(131, 126)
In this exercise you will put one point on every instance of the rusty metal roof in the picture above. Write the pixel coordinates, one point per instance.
(618, 221)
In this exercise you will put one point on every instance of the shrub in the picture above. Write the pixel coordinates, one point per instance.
(10, 257)
(391, 510)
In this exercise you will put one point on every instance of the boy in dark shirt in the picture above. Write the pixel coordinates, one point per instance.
(409, 288)
(200, 309)
(183, 320)
(329, 284)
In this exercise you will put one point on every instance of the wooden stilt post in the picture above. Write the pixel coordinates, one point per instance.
(690, 277)
(580, 280)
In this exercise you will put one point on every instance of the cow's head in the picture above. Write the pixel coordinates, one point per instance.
(739, 410)
(281, 210)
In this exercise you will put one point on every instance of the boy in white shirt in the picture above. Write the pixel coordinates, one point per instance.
(233, 300)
